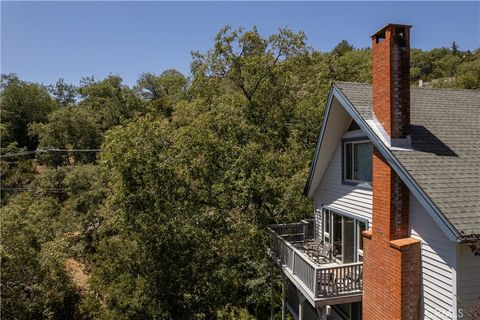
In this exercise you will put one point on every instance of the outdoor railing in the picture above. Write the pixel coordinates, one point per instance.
(322, 281)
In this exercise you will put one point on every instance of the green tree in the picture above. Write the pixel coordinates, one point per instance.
(34, 282)
(65, 94)
(23, 103)
(454, 47)
(468, 76)
(212, 167)
(111, 101)
(16, 172)
(69, 128)
(163, 91)
(151, 239)
(342, 47)
(353, 66)
(85, 187)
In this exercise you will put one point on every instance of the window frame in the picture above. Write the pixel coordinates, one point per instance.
(353, 141)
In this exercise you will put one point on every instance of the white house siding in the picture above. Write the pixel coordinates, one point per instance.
(468, 277)
(344, 198)
(438, 263)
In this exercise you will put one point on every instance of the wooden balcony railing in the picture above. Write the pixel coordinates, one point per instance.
(322, 281)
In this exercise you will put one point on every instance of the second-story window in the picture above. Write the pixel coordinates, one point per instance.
(357, 161)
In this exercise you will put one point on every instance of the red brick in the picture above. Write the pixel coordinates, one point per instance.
(391, 81)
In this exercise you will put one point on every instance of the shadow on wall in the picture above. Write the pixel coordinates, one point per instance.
(425, 141)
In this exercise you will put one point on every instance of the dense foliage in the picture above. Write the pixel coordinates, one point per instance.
(168, 220)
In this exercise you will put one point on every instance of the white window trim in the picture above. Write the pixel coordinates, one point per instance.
(352, 142)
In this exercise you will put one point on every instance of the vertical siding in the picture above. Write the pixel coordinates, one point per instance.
(331, 192)
(438, 259)
(468, 277)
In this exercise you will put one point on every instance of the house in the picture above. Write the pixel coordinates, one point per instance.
(396, 185)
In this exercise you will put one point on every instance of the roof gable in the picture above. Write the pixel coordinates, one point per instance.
(443, 165)
(336, 122)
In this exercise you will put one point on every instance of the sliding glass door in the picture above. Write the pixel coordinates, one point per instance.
(348, 237)
(344, 233)
(337, 236)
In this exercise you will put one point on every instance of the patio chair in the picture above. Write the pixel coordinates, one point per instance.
(320, 252)
(325, 251)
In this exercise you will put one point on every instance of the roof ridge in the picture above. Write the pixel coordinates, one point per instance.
(352, 82)
(411, 86)
(445, 89)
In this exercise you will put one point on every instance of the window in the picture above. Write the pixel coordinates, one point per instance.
(348, 241)
(357, 158)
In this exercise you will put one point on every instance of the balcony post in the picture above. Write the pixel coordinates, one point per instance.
(283, 296)
(305, 229)
(293, 261)
(272, 294)
(301, 300)
(322, 313)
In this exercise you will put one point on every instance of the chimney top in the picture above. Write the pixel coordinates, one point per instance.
(391, 80)
(391, 25)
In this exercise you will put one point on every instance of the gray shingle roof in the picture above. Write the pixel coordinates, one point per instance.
(445, 134)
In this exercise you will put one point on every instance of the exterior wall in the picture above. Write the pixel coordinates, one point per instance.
(438, 263)
(345, 198)
(468, 278)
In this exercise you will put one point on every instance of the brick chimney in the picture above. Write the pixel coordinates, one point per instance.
(391, 79)
(392, 260)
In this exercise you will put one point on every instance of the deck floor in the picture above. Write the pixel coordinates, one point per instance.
(312, 249)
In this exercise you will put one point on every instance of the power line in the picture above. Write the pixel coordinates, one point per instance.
(32, 190)
(73, 150)
(10, 155)
(44, 150)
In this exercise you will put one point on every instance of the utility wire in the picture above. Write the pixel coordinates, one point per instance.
(44, 150)
(32, 190)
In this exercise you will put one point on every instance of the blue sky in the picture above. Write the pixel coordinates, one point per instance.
(43, 41)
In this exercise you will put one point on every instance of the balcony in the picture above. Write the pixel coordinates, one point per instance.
(311, 267)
